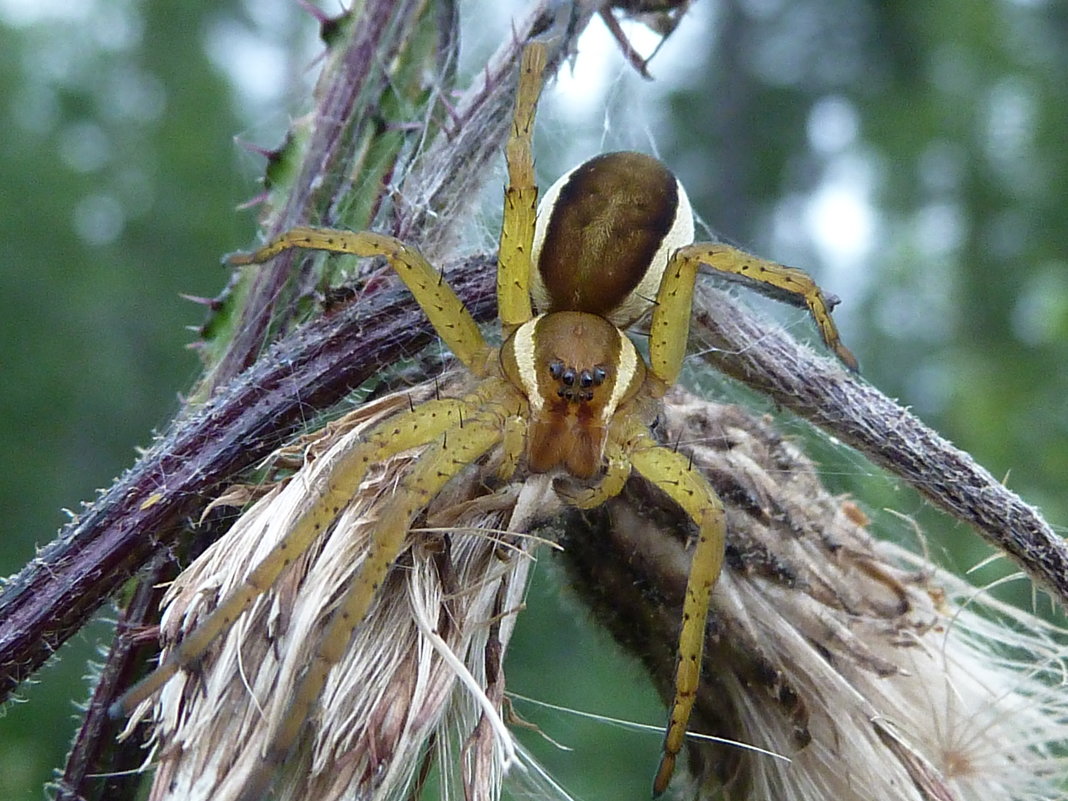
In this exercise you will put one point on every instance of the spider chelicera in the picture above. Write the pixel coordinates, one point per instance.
(567, 392)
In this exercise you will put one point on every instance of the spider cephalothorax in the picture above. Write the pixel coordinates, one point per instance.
(567, 391)
(575, 371)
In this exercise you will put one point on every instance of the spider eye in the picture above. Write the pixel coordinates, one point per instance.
(556, 368)
(585, 379)
(568, 376)
(599, 375)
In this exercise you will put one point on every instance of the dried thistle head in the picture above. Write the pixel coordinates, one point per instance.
(877, 674)
(440, 625)
(848, 655)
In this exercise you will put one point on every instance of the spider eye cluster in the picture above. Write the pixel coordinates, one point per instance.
(576, 385)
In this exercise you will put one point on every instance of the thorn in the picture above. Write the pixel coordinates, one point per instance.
(411, 403)
(328, 26)
(319, 15)
(402, 126)
(437, 389)
(640, 65)
(452, 113)
(254, 201)
(212, 303)
(258, 150)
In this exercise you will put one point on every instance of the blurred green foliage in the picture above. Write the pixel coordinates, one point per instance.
(119, 185)
(119, 180)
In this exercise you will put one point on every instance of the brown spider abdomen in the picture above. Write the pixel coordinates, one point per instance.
(604, 234)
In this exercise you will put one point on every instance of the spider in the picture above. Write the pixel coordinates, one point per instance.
(567, 392)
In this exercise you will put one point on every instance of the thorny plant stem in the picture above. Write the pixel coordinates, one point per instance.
(347, 104)
(96, 743)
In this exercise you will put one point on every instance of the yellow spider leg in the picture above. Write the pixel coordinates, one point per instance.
(520, 197)
(674, 301)
(673, 473)
(669, 329)
(459, 447)
(514, 440)
(443, 308)
(400, 433)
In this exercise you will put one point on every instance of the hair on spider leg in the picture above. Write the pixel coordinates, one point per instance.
(676, 445)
